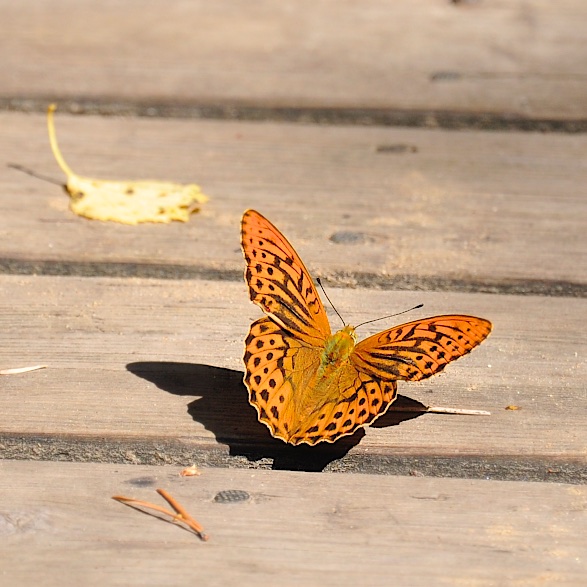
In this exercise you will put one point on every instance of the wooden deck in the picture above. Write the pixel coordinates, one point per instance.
(431, 152)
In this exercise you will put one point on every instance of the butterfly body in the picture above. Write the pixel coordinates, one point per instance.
(309, 385)
(338, 347)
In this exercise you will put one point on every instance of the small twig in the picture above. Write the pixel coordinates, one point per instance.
(440, 410)
(21, 370)
(144, 504)
(180, 514)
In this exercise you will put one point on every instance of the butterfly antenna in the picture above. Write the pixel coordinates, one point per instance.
(329, 300)
(390, 316)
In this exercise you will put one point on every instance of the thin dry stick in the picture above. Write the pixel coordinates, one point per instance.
(440, 410)
(180, 514)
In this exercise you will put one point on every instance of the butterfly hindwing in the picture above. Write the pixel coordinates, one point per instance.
(359, 402)
(268, 362)
(419, 349)
(293, 402)
(279, 282)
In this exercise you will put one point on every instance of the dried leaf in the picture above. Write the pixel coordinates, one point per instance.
(128, 202)
(192, 471)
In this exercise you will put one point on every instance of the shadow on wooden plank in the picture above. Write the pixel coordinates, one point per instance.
(223, 408)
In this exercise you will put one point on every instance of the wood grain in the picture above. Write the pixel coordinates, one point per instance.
(521, 59)
(149, 371)
(149, 361)
(487, 211)
(57, 520)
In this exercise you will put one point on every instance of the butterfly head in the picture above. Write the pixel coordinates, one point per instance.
(349, 331)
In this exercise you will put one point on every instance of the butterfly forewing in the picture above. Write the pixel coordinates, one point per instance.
(279, 283)
(419, 349)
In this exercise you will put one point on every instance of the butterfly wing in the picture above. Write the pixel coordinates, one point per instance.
(300, 395)
(279, 282)
(296, 403)
(419, 349)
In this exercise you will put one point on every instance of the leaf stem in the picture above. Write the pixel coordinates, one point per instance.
(53, 140)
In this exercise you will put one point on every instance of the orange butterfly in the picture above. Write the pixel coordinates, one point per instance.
(309, 385)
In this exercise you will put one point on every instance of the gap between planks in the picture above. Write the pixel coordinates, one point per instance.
(235, 111)
(349, 279)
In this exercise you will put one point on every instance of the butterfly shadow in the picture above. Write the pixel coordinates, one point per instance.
(222, 408)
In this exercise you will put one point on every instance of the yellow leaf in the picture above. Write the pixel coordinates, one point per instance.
(128, 202)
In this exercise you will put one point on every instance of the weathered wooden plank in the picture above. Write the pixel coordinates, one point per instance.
(57, 520)
(149, 361)
(515, 57)
(472, 209)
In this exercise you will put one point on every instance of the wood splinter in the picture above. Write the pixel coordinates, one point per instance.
(18, 370)
(180, 515)
(440, 410)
